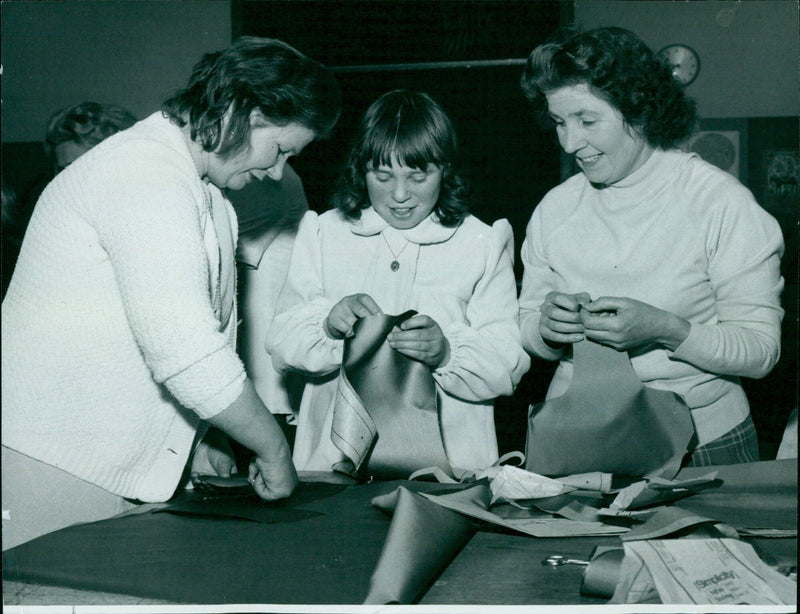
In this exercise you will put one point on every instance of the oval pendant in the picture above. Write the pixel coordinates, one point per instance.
(395, 265)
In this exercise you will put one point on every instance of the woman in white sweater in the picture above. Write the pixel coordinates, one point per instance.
(119, 326)
(648, 250)
(401, 238)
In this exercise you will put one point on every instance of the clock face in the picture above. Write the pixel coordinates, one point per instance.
(683, 60)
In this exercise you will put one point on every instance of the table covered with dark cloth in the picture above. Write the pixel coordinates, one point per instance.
(320, 546)
(323, 544)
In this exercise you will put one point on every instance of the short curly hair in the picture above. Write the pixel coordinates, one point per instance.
(419, 132)
(618, 67)
(86, 124)
(254, 73)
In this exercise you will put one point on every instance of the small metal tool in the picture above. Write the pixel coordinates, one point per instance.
(555, 560)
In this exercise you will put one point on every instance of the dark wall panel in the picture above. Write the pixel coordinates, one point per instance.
(442, 48)
(348, 32)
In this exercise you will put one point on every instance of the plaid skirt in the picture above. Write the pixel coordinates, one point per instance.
(739, 445)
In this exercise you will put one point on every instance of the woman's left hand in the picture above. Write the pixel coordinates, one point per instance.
(214, 456)
(420, 338)
(624, 324)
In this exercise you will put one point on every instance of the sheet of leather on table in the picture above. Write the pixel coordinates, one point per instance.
(324, 559)
(752, 495)
(422, 541)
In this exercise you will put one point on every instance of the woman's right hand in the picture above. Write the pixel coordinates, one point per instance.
(560, 321)
(273, 478)
(344, 314)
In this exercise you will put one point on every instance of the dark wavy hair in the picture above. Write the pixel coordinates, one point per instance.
(254, 73)
(419, 132)
(618, 67)
(86, 124)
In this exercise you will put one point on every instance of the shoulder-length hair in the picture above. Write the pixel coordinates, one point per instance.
(254, 74)
(416, 129)
(618, 67)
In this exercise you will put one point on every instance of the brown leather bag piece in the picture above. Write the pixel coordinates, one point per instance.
(386, 417)
(608, 421)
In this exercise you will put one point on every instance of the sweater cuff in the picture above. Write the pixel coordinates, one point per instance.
(532, 341)
(689, 348)
(701, 349)
(545, 352)
(191, 386)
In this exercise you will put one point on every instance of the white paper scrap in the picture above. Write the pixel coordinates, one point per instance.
(626, 496)
(701, 571)
(594, 480)
(513, 483)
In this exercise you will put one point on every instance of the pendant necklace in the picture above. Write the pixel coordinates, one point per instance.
(395, 264)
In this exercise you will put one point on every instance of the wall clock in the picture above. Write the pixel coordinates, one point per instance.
(682, 60)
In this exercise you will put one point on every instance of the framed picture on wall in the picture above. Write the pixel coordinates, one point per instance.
(723, 143)
(782, 183)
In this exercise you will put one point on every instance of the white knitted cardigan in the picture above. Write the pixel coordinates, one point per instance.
(112, 345)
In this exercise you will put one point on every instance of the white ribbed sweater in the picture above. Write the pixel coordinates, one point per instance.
(112, 346)
(684, 236)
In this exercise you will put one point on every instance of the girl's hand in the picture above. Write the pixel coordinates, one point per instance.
(624, 324)
(560, 322)
(344, 314)
(421, 338)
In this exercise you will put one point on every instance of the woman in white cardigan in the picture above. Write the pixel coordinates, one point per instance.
(401, 238)
(648, 249)
(119, 326)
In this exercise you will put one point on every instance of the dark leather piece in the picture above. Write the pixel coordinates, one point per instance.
(422, 540)
(386, 419)
(320, 547)
(608, 421)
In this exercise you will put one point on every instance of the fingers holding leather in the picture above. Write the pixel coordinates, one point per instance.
(272, 479)
(343, 315)
(567, 302)
(421, 338)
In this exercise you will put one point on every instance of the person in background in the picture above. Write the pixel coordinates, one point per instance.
(268, 213)
(119, 326)
(10, 239)
(71, 132)
(398, 238)
(648, 250)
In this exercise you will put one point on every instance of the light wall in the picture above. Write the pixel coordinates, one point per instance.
(130, 53)
(748, 49)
